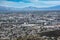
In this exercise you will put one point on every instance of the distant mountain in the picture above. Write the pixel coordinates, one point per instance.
(8, 9)
(30, 8)
(55, 7)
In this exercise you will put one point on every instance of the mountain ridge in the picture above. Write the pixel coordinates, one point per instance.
(30, 8)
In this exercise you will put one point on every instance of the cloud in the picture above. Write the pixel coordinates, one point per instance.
(34, 0)
(52, 2)
(34, 3)
(27, 1)
(15, 4)
(49, 0)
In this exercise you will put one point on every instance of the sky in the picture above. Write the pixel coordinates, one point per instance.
(27, 3)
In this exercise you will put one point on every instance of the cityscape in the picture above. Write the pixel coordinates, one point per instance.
(30, 26)
(29, 19)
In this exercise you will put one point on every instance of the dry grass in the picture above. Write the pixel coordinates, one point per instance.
(30, 37)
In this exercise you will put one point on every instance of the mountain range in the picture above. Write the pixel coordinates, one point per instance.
(30, 8)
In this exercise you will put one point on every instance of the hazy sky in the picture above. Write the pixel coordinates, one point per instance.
(27, 3)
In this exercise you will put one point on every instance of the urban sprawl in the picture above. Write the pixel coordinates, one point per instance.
(17, 25)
